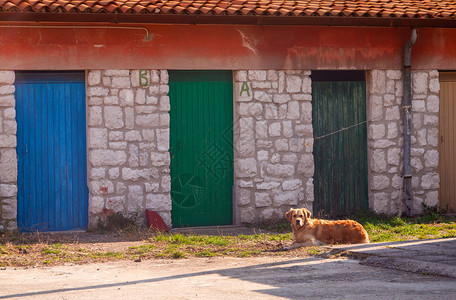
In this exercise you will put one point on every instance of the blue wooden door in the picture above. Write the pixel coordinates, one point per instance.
(51, 148)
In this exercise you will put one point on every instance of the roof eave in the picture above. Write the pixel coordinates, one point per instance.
(225, 19)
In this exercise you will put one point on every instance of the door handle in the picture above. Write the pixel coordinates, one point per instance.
(26, 149)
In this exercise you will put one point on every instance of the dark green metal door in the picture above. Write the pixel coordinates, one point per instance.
(201, 145)
(340, 180)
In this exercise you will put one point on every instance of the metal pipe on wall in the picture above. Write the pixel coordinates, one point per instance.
(407, 196)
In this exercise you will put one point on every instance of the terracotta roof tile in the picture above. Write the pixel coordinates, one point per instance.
(439, 9)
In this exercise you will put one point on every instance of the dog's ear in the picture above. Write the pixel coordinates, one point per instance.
(306, 212)
(288, 215)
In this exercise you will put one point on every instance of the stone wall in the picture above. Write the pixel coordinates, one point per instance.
(8, 157)
(128, 142)
(385, 139)
(273, 143)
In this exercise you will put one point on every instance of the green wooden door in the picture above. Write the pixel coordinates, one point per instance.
(201, 145)
(340, 179)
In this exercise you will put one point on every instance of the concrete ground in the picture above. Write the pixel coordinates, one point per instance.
(253, 278)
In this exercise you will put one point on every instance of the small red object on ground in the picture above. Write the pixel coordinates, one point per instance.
(154, 221)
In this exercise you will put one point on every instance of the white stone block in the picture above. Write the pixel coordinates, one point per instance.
(392, 130)
(163, 139)
(241, 75)
(270, 111)
(378, 82)
(394, 74)
(129, 117)
(9, 113)
(114, 173)
(378, 161)
(287, 129)
(250, 109)
(279, 170)
(95, 116)
(117, 72)
(164, 77)
(290, 185)
(432, 199)
(296, 144)
(307, 86)
(115, 135)
(8, 141)
(380, 182)
(294, 84)
(97, 173)
(164, 89)
(293, 110)
(133, 135)
(8, 165)
(158, 202)
(7, 101)
(116, 204)
(268, 185)
(7, 77)
(126, 97)
(286, 198)
(164, 103)
(131, 174)
(281, 145)
(135, 198)
(430, 181)
(380, 201)
(262, 200)
(262, 155)
(7, 89)
(247, 215)
(97, 91)
(8, 190)
(392, 113)
(113, 116)
(434, 85)
(281, 98)
(244, 197)
(96, 204)
(275, 129)
(140, 97)
(418, 105)
(98, 138)
(160, 159)
(431, 159)
(420, 82)
(246, 167)
(394, 156)
(376, 131)
(416, 164)
(272, 75)
(432, 104)
(257, 75)
(376, 108)
(262, 96)
(103, 157)
(121, 82)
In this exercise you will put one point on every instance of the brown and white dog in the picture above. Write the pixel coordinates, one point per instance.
(311, 232)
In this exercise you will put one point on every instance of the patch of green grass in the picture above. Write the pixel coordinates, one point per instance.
(385, 229)
(178, 254)
(247, 253)
(143, 249)
(46, 251)
(108, 254)
(205, 253)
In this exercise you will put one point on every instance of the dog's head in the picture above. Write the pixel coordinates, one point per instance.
(297, 217)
